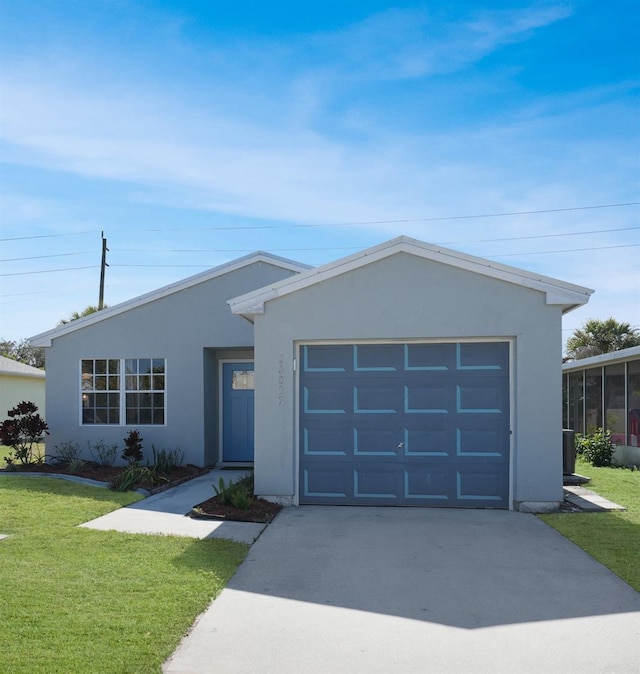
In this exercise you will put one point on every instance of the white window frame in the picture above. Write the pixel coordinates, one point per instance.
(122, 392)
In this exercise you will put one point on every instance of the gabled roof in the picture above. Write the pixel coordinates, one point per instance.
(557, 292)
(16, 369)
(44, 338)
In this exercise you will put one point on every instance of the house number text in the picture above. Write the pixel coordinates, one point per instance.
(280, 379)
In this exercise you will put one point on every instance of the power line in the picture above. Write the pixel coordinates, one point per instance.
(50, 271)
(440, 243)
(567, 250)
(40, 257)
(205, 266)
(47, 236)
(347, 224)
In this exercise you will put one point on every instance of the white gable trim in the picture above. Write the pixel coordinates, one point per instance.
(44, 338)
(557, 292)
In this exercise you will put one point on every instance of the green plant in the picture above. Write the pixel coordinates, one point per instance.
(133, 448)
(241, 498)
(596, 448)
(24, 429)
(102, 453)
(238, 494)
(136, 475)
(67, 451)
(76, 464)
(164, 460)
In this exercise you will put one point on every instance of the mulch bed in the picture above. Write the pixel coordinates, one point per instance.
(213, 509)
(94, 471)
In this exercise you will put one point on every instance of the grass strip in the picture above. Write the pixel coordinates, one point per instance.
(78, 600)
(613, 538)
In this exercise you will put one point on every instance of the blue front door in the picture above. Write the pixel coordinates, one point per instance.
(237, 412)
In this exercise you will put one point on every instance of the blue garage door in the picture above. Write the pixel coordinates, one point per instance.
(405, 424)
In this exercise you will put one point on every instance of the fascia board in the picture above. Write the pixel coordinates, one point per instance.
(45, 338)
(558, 292)
(624, 355)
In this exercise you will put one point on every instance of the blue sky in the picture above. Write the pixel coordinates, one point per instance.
(192, 133)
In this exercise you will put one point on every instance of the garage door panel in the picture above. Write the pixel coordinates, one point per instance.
(376, 440)
(376, 397)
(482, 485)
(326, 397)
(483, 356)
(334, 439)
(429, 483)
(378, 357)
(430, 357)
(434, 395)
(433, 439)
(405, 424)
(327, 484)
(482, 397)
(379, 482)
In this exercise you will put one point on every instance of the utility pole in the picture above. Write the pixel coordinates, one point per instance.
(102, 268)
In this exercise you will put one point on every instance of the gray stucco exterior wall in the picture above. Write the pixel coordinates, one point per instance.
(404, 297)
(191, 329)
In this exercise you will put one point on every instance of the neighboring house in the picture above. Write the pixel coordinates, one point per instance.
(407, 374)
(20, 382)
(604, 392)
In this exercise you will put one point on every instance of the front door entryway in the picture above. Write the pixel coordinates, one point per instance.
(237, 412)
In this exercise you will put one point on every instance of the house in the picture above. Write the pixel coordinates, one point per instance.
(20, 382)
(604, 392)
(406, 374)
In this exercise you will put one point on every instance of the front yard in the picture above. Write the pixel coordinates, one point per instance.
(613, 538)
(79, 600)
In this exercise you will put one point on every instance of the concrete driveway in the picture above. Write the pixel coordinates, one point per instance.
(333, 590)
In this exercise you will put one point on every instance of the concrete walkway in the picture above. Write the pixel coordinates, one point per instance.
(344, 590)
(165, 513)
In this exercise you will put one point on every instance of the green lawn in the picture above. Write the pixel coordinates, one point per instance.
(613, 538)
(78, 600)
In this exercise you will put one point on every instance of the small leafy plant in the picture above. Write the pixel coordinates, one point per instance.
(597, 448)
(133, 448)
(102, 453)
(66, 452)
(165, 460)
(238, 494)
(21, 431)
(133, 475)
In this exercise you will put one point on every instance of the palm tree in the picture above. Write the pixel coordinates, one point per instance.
(80, 314)
(596, 337)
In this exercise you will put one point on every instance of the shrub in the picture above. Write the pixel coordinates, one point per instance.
(76, 465)
(133, 448)
(597, 448)
(164, 460)
(67, 452)
(135, 474)
(102, 453)
(239, 494)
(24, 429)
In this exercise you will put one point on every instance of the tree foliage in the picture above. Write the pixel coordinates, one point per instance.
(23, 352)
(601, 336)
(87, 311)
(21, 431)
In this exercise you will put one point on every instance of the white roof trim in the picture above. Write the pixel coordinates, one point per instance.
(558, 292)
(44, 338)
(632, 353)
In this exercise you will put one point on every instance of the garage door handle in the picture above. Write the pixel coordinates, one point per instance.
(401, 445)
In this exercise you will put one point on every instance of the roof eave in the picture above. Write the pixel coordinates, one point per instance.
(45, 338)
